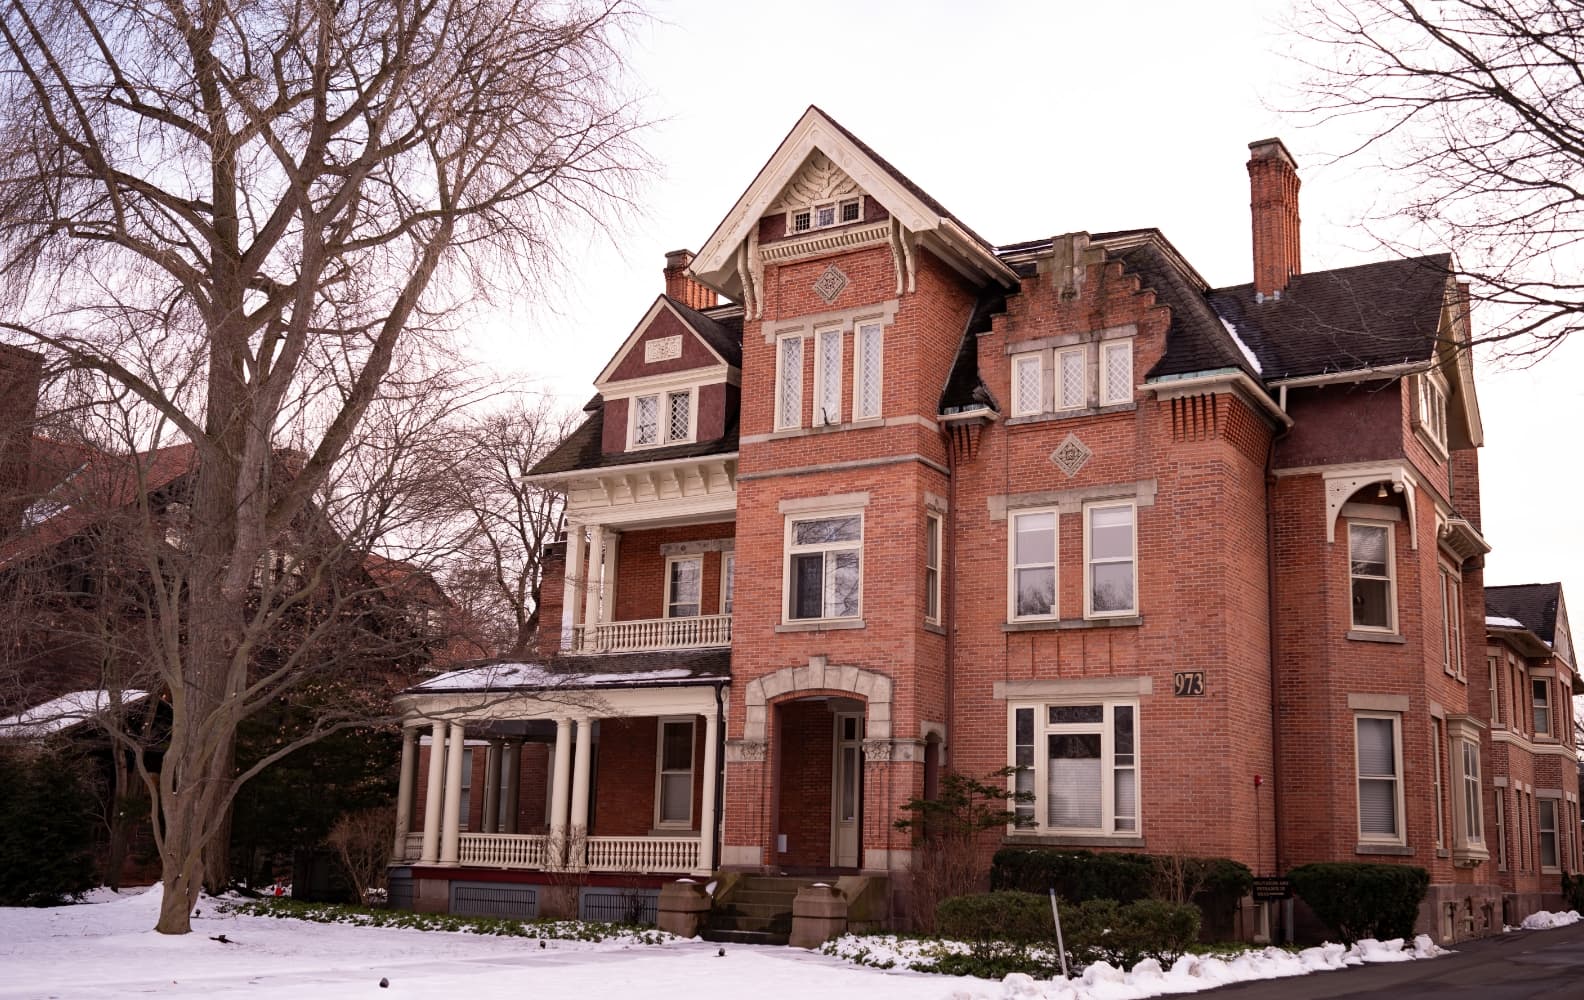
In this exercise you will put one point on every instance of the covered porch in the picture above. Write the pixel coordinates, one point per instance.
(515, 767)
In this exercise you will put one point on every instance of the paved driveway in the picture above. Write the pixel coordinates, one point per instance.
(1517, 966)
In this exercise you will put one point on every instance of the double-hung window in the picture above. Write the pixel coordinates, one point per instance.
(1378, 748)
(1495, 693)
(1541, 686)
(728, 578)
(789, 382)
(674, 791)
(1033, 565)
(932, 568)
(684, 579)
(1437, 745)
(1370, 566)
(824, 566)
(1547, 826)
(1110, 569)
(1080, 763)
(662, 418)
(1432, 414)
(1471, 826)
(1451, 624)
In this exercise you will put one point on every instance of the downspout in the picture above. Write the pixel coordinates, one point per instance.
(1275, 672)
(720, 775)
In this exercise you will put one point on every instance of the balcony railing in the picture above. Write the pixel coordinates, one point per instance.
(655, 633)
(657, 855)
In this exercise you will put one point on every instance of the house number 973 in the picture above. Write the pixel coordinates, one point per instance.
(1188, 683)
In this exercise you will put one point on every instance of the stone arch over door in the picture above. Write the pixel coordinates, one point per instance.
(875, 689)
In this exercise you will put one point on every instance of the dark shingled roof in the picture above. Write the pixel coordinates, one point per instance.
(1196, 341)
(581, 449)
(964, 388)
(724, 335)
(1347, 319)
(1534, 604)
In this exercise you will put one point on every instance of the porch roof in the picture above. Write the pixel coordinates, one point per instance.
(670, 668)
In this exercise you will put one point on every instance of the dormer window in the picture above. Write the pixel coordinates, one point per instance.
(661, 418)
(825, 214)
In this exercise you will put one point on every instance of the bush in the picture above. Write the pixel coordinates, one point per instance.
(1003, 925)
(1363, 900)
(1573, 891)
(47, 823)
(1215, 885)
(1015, 917)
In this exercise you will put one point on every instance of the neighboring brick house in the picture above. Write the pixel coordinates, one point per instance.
(1178, 553)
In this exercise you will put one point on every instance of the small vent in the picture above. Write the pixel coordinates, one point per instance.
(616, 905)
(483, 900)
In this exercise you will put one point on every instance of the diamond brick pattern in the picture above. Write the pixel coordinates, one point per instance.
(830, 284)
(1071, 455)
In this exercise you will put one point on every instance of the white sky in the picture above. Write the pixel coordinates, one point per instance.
(1026, 120)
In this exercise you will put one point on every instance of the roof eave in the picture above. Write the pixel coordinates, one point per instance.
(1234, 380)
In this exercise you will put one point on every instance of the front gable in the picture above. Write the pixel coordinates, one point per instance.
(663, 343)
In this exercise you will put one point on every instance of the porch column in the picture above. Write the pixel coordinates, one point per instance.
(451, 832)
(570, 605)
(560, 792)
(492, 760)
(431, 830)
(612, 542)
(707, 808)
(404, 792)
(513, 779)
(578, 829)
(593, 581)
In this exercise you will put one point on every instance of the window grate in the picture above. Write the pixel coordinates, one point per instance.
(519, 902)
(619, 905)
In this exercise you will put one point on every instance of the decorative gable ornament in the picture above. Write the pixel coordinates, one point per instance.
(830, 284)
(818, 180)
(1071, 455)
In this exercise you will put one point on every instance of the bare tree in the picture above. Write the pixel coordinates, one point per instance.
(1476, 109)
(508, 522)
(254, 218)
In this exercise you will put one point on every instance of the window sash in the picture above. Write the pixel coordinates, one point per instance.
(869, 374)
(684, 586)
(679, 413)
(1116, 372)
(932, 568)
(1072, 384)
(827, 377)
(1084, 774)
(674, 773)
(1028, 385)
(1378, 759)
(789, 382)
(1540, 689)
(1473, 820)
(1549, 856)
(1110, 563)
(824, 572)
(728, 579)
(646, 420)
(1436, 744)
(1032, 564)
(1370, 568)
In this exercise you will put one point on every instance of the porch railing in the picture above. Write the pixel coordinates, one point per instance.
(655, 633)
(412, 847)
(502, 850)
(643, 854)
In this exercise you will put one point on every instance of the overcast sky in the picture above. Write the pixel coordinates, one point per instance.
(1026, 120)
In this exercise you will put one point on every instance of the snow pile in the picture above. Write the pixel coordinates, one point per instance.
(1544, 920)
(1100, 981)
(1500, 622)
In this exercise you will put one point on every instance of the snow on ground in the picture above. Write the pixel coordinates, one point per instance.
(106, 949)
(1544, 920)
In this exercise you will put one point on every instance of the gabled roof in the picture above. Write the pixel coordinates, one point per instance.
(723, 337)
(1532, 604)
(667, 668)
(582, 448)
(1344, 320)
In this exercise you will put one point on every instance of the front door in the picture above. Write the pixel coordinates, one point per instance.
(847, 787)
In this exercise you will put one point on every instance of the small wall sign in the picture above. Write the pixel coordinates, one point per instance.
(1188, 684)
(1272, 887)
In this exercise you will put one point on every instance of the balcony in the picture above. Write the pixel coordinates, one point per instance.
(534, 852)
(641, 635)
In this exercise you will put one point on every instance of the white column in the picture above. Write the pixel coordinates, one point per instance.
(593, 581)
(560, 792)
(578, 829)
(608, 575)
(431, 830)
(513, 779)
(572, 592)
(491, 818)
(707, 807)
(451, 828)
(404, 792)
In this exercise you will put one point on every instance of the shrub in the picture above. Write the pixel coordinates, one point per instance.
(47, 824)
(1363, 900)
(946, 857)
(1016, 917)
(1215, 885)
(1573, 891)
(362, 842)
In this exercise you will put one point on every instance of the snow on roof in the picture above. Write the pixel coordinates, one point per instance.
(1252, 360)
(533, 676)
(1500, 622)
(62, 713)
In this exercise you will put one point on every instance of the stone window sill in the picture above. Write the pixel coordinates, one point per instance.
(822, 625)
(935, 627)
(1358, 635)
(1073, 414)
(1069, 840)
(1050, 624)
(1396, 850)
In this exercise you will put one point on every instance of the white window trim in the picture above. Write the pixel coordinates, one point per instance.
(1390, 628)
(1105, 347)
(1491, 666)
(1089, 611)
(728, 581)
(1540, 835)
(1432, 390)
(1082, 354)
(861, 372)
(824, 378)
(1501, 829)
(1401, 836)
(781, 388)
(662, 398)
(1037, 358)
(788, 550)
(660, 772)
(1542, 683)
(1044, 728)
(1452, 624)
(1462, 837)
(934, 526)
(665, 597)
(1437, 744)
(813, 213)
(1013, 566)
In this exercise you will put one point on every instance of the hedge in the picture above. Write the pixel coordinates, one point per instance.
(1363, 900)
(47, 822)
(1003, 925)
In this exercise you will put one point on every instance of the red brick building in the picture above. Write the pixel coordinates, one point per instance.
(863, 496)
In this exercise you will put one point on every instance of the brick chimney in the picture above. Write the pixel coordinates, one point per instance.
(20, 373)
(683, 288)
(1273, 202)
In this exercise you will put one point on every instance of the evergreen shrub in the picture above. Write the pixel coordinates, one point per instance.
(1359, 900)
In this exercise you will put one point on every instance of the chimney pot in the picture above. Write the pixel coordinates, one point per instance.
(1273, 207)
(681, 286)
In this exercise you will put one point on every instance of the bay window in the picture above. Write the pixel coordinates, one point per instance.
(824, 566)
(1080, 762)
